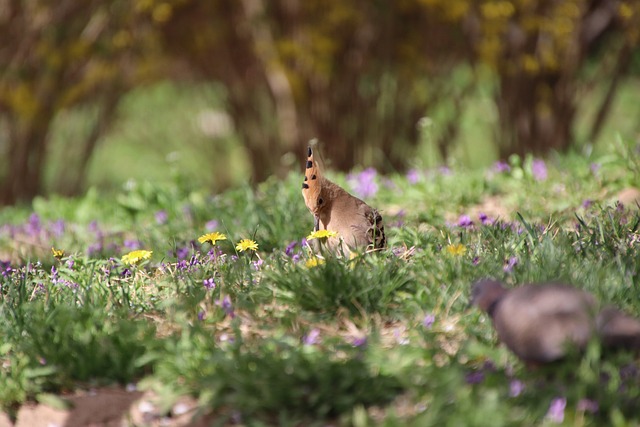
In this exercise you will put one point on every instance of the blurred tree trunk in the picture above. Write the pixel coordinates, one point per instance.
(539, 126)
(72, 179)
(538, 50)
(218, 40)
(57, 56)
(343, 73)
(26, 153)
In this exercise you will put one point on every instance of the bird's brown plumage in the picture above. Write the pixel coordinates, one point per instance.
(541, 322)
(334, 209)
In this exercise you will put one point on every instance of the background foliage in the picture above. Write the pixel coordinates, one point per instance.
(367, 79)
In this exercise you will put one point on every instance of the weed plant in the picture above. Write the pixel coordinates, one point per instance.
(278, 335)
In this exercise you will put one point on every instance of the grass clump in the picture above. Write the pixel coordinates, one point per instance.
(135, 292)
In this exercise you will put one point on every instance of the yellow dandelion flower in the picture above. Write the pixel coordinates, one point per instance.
(322, 234)
(457, 249)
(247, 245)
(57, 253)
(136, 256)
(212, 237)
(313, 262)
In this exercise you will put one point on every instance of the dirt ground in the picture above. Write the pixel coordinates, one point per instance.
(106, 407)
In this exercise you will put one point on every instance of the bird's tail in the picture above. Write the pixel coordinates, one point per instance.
(617, 329)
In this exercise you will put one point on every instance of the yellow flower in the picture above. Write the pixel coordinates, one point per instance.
(212, 237)
(136, 256)
(247, 245)
(57, 253)
(457, 249)
(322, 234)
(313, 262)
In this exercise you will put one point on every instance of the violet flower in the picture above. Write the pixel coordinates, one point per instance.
(364, 184)
(312, 337)
(555, 414)
(428, 321)
(539, 170)
(508, 268)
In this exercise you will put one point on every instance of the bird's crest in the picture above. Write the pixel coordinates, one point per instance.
(312, 185)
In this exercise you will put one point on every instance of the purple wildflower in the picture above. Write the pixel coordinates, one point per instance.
(555, 414)
(226, 305)
(211, 225)
(70, 263)
(359, 341)
(400, 339)
(39, 288)
(257, 264)
(182, 253)
(209, 283)
(444, 170)
(475, 377)
(295, 258)
(399, 218)
(312, 337)
(5, 266)
(476, 260)
(289, 249)
(94, 248)
(413, 176)
(587, 405)
(595, 167)
(628, 372)
(428, 321)
(539, 170)
(586, 203)
(54, 274)
(501, 167)
(464, 221)
(42, 361)
(58, 227)
(33, 224)
(69, 284)
(364, 184)
(484, 219)
(389, 184)
(132, 244)
(93, 226)
(508, 268)
(516, 387)
(201, 314)
(161, 217)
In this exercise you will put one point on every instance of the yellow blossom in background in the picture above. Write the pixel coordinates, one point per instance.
(136, 256)
(457, 249)
(322, 234)
(57, 253)
(212, 237)
(247, 244)
(313, 262)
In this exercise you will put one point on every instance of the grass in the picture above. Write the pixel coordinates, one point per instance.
(262, 338)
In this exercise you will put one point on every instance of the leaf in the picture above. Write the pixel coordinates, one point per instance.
(39, 371)
(53, 401)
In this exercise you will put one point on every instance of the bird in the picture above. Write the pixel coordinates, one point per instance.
(334, 209)
(540, 323)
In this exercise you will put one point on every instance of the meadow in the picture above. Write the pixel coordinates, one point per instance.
(120, 289)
